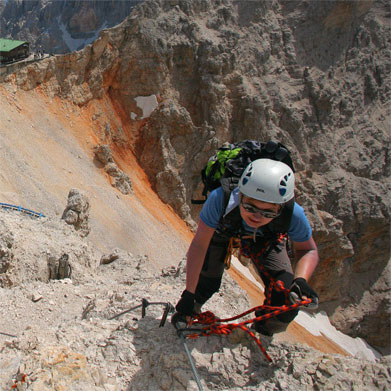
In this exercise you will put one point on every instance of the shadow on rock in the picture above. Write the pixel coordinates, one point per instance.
(223, 363)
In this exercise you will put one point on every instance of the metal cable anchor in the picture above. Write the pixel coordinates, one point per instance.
(8, 335)
(169, 308)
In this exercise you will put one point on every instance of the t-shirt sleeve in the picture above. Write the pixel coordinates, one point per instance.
(300, 229)
(213, 208)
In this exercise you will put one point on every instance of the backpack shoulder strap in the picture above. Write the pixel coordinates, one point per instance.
(230, 224)
(228, 184)
(282, 223)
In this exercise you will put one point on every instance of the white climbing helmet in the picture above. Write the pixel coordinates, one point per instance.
(268, 181)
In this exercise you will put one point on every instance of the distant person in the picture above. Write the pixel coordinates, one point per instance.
(259, 210)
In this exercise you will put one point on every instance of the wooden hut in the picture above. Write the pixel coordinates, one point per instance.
(11, 50)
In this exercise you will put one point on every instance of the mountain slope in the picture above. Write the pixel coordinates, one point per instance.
(221, 70)
(59, 334)
(47, 149)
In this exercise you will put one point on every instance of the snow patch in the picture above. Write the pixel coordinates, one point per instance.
(147, 104)
(319, 324)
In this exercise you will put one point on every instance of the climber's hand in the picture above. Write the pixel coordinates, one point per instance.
(300, 290)
(185, 305)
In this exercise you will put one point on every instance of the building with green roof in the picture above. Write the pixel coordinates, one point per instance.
(12, 50)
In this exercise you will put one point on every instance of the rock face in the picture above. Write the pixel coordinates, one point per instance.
(62, 334)
(119, 179)
(60, 26)
(77, 210)
(30, 246)
(315, 75)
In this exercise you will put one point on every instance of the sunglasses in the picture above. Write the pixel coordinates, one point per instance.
(269, 214)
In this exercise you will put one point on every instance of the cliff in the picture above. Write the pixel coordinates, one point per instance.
(60, 26)
(315, 75)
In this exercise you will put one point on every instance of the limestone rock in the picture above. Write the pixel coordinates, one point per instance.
(106, 259)
(253, 79)
(68, 340)
(59, 268)
(120, 180)
(77, 210)
(54, 247)
(314, 75)
(79, 21)
(103, 154)
(6, 254)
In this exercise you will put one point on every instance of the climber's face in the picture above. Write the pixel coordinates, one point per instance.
(257, 213)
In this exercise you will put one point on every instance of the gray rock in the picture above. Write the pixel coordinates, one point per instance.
(67, 337)
(103, 154)
(107, 259)
(315, 75)
(119, 179)
(77, 211)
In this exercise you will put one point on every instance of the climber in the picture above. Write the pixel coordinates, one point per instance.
(261, 213)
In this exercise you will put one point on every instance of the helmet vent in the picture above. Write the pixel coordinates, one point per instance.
(283, 185)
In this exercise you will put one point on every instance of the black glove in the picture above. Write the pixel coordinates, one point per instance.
(185, 305)
(300, 288)
(178, 320)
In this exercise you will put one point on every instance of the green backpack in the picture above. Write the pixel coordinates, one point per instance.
(226, 166)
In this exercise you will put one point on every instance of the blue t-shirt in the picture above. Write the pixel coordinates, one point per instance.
(299, 229)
